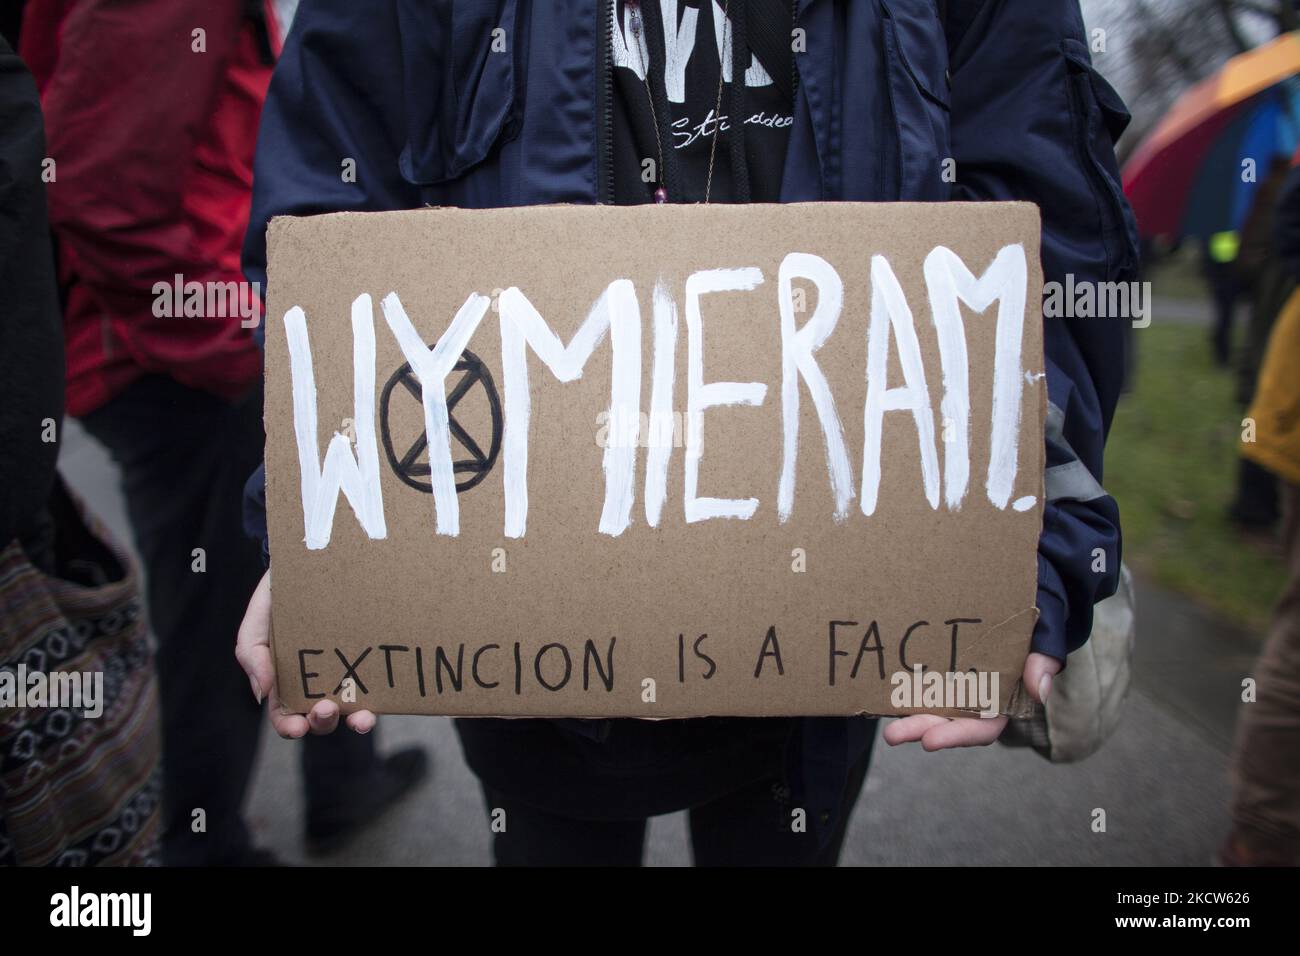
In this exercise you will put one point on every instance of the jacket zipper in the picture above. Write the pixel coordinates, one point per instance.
(794, 60)
(605, 13)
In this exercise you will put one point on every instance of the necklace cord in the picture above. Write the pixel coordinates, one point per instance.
(648, 25)
(652, 28)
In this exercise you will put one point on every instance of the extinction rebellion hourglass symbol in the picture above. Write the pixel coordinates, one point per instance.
(412, 465)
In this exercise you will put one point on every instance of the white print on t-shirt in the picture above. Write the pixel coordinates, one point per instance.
(774, 121)
(679, 43)
(684, 133)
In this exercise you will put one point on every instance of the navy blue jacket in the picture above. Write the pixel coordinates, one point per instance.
(888, 90)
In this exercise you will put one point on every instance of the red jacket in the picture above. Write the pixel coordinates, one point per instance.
(152, 141)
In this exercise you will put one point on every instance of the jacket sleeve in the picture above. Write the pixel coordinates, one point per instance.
(125, 108)
(31, 327)
(332, 132)
(1032, 120)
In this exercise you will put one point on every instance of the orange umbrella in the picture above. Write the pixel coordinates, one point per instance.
(1160, 177)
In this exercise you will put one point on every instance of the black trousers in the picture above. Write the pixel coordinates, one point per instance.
(753, 825)
(184, 457)
(1225, 292)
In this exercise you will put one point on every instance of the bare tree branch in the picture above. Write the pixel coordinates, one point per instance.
(1228, 14)
(1287, 19)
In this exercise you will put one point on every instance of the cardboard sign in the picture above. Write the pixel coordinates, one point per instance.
(658, 461)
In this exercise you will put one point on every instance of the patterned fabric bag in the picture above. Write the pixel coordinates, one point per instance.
(80, 783)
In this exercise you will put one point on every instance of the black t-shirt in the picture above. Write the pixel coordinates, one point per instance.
(681, 61)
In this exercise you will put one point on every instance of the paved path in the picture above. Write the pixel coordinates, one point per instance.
(1189, 312)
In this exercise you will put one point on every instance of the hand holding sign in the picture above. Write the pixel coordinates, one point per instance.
(253, 651)
(945, 733)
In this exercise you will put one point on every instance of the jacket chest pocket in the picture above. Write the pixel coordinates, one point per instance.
(916, 73)
(460, 76)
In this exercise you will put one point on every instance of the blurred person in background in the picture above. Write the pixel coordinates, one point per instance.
(1267, 279)
(80, 783)
(152, 110)
(1219, 266)
(1268, 283)
(1266, 757)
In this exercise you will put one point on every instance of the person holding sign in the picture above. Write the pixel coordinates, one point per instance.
(744, 101)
